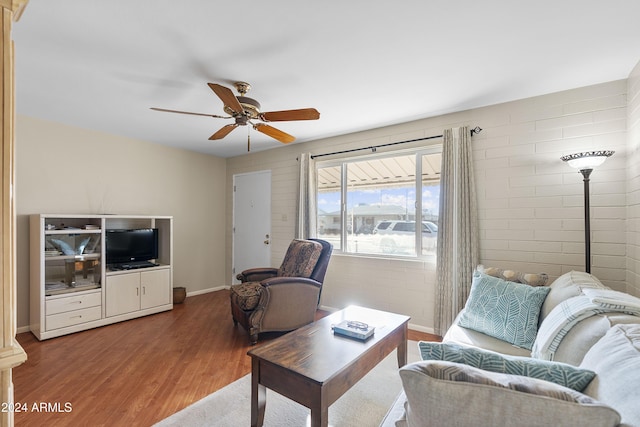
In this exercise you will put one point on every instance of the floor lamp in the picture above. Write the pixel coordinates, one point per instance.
(585, 163)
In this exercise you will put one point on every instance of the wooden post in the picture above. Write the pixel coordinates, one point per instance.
(11, 354)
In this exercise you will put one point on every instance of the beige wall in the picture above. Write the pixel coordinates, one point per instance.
(633, 183)
(530, 202)
(62, 169)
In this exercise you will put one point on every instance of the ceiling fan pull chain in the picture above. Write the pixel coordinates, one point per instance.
(248, 139)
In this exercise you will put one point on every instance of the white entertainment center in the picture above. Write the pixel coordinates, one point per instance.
(72, 288)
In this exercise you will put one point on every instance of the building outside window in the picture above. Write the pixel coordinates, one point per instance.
(371, 205)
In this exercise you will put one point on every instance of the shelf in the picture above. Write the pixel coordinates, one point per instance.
(84, 257)
(61, 288)
(73, 231)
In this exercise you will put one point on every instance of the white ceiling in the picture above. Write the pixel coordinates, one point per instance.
(101, 65)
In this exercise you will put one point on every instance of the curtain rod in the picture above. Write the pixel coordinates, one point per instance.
(373, 148)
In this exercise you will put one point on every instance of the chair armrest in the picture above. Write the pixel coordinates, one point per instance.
(274, 281)
(257, 274)
(286, 303)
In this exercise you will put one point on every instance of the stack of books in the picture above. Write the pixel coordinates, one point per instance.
(354, 329)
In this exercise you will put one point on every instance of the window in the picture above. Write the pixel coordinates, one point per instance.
(371, 205)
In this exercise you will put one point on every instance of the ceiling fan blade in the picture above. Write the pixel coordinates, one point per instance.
(281, 136)
(224, 131)
(227, 97)
(288, 115)
(187, 112)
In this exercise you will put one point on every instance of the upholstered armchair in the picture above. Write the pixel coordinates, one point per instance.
(282, 299)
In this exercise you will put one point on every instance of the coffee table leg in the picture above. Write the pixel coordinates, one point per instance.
(258, 396)
(319, 413)
(402, 348)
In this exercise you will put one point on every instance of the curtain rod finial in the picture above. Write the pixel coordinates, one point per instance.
(475, 130)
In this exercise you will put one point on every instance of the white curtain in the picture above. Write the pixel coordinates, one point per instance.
(457, 253)
(306, 214)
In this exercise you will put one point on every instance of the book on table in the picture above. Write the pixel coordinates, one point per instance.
(354, 329)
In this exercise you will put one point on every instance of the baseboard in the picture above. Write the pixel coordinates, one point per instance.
(327, 308)
(419, 328)
(23, 329)
(206, 291)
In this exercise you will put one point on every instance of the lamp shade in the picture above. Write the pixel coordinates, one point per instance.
(588, 159)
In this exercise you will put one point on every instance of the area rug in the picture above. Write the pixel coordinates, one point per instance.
(365, 404)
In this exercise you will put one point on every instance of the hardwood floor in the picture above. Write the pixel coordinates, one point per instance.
(137, 372)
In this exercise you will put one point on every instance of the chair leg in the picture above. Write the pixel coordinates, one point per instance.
(253, 339)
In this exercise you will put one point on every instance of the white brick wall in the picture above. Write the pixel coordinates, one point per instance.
(530, 202)
(633, 183)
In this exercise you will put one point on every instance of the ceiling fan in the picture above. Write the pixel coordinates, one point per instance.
(245, 111)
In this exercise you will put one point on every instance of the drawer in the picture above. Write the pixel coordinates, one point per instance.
(70, 303)
(70, 318)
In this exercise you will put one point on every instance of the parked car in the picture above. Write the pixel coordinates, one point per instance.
(399, 236)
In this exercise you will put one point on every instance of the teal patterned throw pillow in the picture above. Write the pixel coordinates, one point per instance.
(556, 372)
(505, 310)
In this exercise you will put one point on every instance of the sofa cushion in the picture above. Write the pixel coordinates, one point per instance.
(566, 286)
(446, 393)
(301, 258)
(616, 361)
(531, 279)
(504, 310)
(582, 336)
(459, 335)
(573, 311)
(559, 373)
(586, 333)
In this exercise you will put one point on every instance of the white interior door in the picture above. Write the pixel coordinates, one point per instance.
(251, 221)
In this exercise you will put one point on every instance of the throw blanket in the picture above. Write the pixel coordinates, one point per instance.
(571, 311)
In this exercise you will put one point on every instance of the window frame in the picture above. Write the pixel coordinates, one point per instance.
(343, 163)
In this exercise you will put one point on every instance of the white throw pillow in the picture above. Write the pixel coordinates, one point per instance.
(616, 361)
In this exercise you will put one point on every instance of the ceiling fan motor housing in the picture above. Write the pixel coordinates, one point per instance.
(251, 107)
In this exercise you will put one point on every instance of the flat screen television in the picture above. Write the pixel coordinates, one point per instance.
(124, 246)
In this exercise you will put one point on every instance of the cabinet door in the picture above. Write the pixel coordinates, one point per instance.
(122, 294)
(155, 288)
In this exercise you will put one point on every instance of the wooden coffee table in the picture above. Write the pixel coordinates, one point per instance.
(314, 367)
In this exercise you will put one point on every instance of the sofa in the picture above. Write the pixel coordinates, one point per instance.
(529, 353)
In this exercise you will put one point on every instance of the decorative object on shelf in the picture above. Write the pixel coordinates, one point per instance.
(179, 294)
(585, 162)
(92, 245)
(82, 245)
(64, 246)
